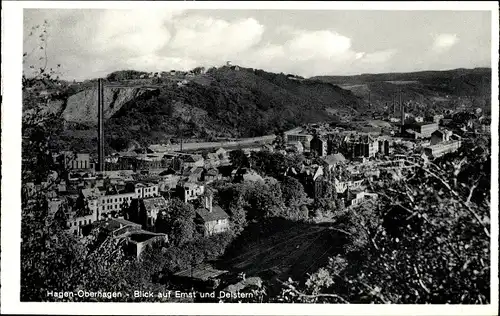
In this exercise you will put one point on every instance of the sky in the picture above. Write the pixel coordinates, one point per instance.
(91, 43)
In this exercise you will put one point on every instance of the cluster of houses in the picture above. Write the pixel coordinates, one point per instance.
(126, 200)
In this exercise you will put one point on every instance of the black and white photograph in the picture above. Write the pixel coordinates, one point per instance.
(179, 152)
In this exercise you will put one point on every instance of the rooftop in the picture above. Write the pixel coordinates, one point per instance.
(115, 223)
(333, 159)
(202, 272)
(142, 235)
(216, 214)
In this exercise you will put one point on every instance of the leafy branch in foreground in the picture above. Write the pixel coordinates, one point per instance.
(425, 240)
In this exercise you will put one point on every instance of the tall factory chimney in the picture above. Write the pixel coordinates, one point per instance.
(100, 126)
(402, 107)
(394, 104)
(369, 99)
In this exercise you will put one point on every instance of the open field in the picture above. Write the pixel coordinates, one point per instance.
(292, 250)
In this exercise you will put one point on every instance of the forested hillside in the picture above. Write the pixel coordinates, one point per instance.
(432, 88)
(224, 102)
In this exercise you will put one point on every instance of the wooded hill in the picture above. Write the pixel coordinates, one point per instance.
(429, 87)
(223, 102)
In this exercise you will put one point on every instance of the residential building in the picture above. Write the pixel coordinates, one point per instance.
(189, 191)
(303, 138)
(359, 196)
(420, 130)
(139, 241)
(419, 119)
(222, 153)
(145, 211)
(113, 204)
(211, 218)
(440, 149)
(168, 182)
(152, 206)
(191, 161)
(440, 136)
(319, 146)
(194, 174)
(72, 160)
(148, 161)
(210, 175)
(76, 223)
(434, 118)
(361, 145)
(314, 181)
(212, 160)
(143, 190)
(384, 147)
(172, 161)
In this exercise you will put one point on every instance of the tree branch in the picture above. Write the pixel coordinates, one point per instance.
(454, 193)
(301, 294)
(474, 186)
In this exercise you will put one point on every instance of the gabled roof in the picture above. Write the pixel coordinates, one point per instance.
(114, 224)
(359, 138)
(193, 158)
(333, 159)
(203, 272)
(197, 171)
(220, 150)
(216, 214)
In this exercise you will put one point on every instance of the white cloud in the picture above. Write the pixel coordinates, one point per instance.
(377, 57)
(209, 38)
(92, 42)
(136, 33)
(324, 44)
(310, 53)
(443, 42)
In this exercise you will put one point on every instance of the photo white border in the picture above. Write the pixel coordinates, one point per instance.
(12, 35)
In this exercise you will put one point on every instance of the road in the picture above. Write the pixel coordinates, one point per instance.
(266, 139)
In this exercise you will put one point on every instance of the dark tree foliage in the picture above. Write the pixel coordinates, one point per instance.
(426, 240)
(51, 258)
(178, 222)
(238, 159)
(125, 75)
(269, 164)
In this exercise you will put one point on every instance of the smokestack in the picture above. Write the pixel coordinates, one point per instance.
(394, 104)
(369, 99)
(402, 106)
(100, 125)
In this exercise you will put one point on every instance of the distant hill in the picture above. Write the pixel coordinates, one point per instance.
(426, 86)
(221, 103)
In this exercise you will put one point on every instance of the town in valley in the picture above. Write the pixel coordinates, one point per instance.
(234, 184)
